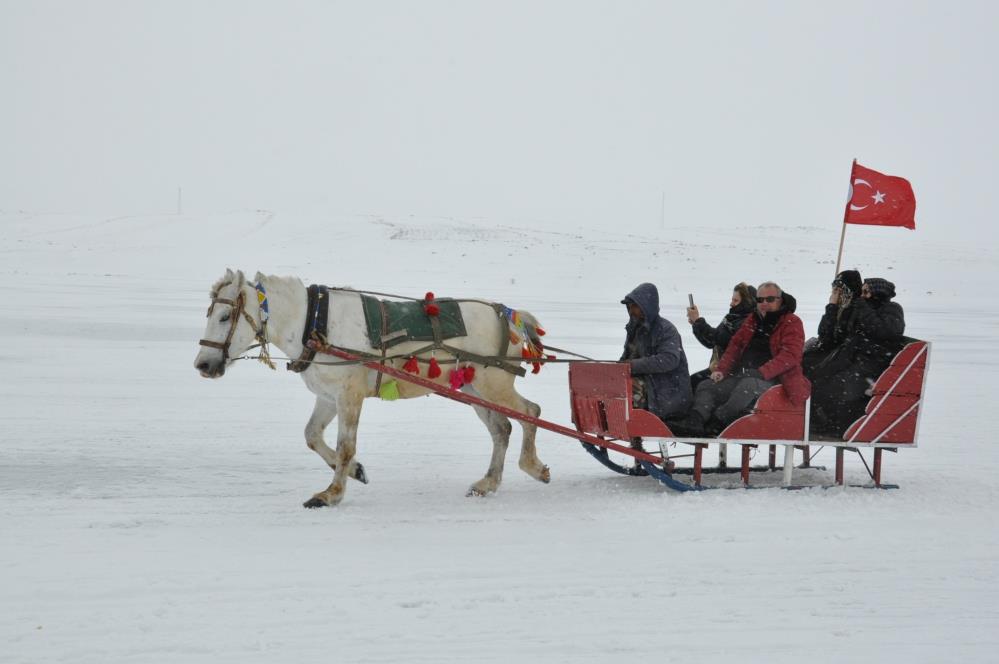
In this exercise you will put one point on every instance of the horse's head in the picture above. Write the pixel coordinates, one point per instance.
(230, 330)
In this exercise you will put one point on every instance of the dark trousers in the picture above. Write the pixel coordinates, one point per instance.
(698, 378)
(730, 399)
(838, 400)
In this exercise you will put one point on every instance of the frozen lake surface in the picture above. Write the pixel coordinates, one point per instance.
(147, 514)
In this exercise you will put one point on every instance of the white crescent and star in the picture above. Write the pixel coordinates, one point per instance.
(878, 197)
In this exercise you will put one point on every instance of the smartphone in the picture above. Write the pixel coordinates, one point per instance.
(690, 298)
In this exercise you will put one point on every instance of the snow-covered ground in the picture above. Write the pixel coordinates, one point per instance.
(150, 515)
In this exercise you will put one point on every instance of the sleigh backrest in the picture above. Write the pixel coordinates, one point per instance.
(892, 414)
(600, 393)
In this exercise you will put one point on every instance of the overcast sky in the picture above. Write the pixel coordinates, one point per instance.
(554, 113)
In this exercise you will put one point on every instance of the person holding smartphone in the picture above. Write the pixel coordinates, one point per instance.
(716, 338)
(765, 350)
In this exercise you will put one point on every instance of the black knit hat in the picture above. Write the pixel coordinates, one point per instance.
(881, 289)
(850, 279)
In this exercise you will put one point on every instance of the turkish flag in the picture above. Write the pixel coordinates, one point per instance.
(877, 199)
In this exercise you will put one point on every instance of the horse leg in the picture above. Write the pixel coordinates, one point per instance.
(499, 428)
(322, 414)
(349, 409)
(529, 462)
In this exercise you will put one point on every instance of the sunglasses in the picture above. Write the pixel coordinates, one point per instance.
(768, 298)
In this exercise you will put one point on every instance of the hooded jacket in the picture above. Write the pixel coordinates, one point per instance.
(787, 341)
(655, 351)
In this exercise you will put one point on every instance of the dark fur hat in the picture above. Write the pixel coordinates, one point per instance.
(881, 289)
(850, 279)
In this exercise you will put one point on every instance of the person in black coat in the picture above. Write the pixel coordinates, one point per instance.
(871, 336)
(716, 338)
(653, 348)
(837, 321)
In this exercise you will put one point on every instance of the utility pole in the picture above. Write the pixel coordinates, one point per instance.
(663, 216)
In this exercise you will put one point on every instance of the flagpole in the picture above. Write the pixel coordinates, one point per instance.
(846, 209)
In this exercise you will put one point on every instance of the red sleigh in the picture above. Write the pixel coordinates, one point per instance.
(601, 406)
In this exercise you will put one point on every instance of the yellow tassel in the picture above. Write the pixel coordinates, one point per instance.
(389, 391)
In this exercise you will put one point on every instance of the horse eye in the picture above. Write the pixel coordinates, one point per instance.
(224, 317)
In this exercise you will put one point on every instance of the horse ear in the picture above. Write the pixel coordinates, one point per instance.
(229, 276)
(259, 276)
(240, 279)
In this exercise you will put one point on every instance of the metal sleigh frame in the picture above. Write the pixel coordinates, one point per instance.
(605, 421)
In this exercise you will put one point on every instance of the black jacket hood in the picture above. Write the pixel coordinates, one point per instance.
(789, 305)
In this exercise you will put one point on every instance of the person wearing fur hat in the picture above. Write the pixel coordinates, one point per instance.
(716, 338)
(837, 322)
(766, 349)
(842, 380)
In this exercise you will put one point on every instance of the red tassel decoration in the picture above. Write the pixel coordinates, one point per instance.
(412, 366)
(540, 331)
(469, 374)
(435, 369)
(429, 307)
(457, 378)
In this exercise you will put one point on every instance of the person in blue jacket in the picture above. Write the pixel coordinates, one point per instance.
(653, 348)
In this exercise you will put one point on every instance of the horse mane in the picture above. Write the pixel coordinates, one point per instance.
(219, 285)
(229, 278)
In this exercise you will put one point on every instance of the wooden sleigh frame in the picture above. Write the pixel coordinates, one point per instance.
(600, 394)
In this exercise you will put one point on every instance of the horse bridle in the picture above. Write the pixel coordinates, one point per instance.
(239, 309)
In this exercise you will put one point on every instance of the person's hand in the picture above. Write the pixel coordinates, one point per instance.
(717, 376)
(693, 314)
(835, 296)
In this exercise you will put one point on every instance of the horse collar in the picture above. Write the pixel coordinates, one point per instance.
(317, 312)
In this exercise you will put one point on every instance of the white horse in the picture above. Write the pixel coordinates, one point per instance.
(237, 319)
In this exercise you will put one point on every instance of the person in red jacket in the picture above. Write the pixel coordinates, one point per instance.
(766, 349)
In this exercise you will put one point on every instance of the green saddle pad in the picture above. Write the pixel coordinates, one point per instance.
(406, 321)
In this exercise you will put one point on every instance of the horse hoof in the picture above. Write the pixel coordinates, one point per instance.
(546, 475)
(475, 493)
(313, 503)
(360, 475)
